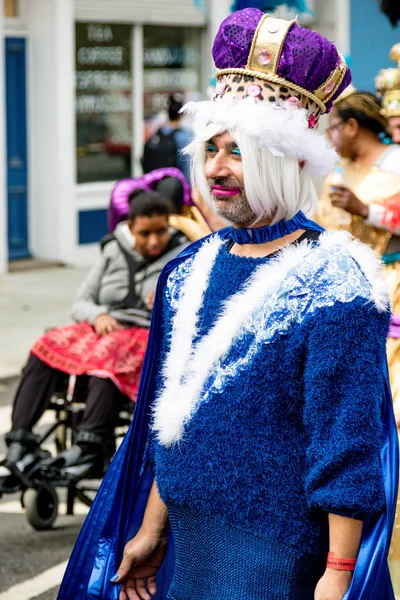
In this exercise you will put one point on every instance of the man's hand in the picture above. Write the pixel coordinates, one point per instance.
(342, 197)
(143, 556)
(333, 585)
(105, 324)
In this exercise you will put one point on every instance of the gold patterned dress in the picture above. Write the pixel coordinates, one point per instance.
(374, 186)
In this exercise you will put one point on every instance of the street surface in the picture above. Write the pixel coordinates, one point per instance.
(31, 562)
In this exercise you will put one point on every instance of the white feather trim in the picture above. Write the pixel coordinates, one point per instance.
(187, 368)
(368, 261)
(283, 129)
(167, 412)
(185, 378)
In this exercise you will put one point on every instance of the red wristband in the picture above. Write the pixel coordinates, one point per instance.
(341, 564)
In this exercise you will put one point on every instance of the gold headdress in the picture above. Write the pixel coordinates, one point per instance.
(387, 84)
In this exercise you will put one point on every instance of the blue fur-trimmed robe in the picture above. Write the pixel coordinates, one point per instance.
(276, 415)
(285, 423)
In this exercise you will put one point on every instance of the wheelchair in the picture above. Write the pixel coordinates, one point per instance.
(39, 485)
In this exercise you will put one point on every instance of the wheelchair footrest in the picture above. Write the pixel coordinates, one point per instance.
(62, 477)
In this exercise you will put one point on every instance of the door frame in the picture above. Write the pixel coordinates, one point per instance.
(23, 252)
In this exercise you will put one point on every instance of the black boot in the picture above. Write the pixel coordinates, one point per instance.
(87, 457)
(20, 442)
(21, 455)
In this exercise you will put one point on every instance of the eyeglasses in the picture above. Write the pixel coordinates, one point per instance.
(334, 126)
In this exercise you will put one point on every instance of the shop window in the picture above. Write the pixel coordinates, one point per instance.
(172, 64)
(11, 8)
(103, 84)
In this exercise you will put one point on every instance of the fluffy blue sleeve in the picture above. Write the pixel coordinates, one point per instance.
(344, 386)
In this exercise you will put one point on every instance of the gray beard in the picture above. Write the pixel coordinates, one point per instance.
(236, 211)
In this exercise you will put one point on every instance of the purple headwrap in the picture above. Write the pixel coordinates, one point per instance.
(307, 58)
(119, 206)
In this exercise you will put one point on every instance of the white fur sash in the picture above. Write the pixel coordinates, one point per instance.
(187, 366)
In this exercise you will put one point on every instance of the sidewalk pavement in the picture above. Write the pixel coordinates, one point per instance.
(30, 302)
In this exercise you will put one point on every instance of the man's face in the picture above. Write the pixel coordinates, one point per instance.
(394, 123)
(151, 234)
(224, 173)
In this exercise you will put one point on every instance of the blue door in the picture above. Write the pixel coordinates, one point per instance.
(17, 173)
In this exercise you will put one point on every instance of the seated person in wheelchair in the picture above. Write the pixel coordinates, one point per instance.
(112, 312)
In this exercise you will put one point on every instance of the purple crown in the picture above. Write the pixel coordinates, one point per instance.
(306, 59)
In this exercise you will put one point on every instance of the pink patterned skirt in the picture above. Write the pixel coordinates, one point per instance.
(77, 350)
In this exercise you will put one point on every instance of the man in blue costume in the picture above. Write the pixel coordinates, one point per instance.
(263, 446)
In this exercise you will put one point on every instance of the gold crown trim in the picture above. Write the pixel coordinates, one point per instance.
(333, 82)
(253, 43)
(267, 44)
(273, 79)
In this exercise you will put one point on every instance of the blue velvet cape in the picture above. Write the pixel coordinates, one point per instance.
(117, 512)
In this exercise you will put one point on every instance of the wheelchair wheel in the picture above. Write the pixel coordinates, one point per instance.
(41, 507)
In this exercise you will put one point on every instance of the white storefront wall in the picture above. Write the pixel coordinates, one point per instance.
(55, 198)
(51, 128)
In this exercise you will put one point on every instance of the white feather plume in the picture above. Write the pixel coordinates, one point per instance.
(283, 129)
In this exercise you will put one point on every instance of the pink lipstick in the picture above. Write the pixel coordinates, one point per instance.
(224, 192)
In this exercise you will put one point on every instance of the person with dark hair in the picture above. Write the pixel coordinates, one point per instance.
(175, 105)
(112, 310)
(164, 148)
(355, 123)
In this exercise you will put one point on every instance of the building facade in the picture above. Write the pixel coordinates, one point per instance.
(85, 82)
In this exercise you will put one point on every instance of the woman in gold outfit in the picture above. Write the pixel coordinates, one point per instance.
(363, 197)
